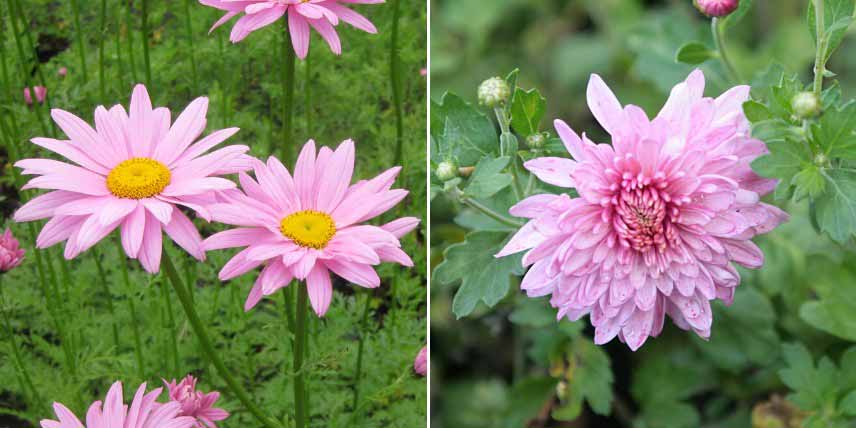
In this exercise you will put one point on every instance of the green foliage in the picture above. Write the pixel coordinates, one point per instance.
(838, 15)
(823, 389)
(694, 53)
(527, 110)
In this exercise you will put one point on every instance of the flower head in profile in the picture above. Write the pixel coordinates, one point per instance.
(322, 15)
(661, 215)
(195, 403)
(11, 253)
(131, 172)
(40, 91)
(308, 225)
(420, 364)
(142, 412)
(716, 8)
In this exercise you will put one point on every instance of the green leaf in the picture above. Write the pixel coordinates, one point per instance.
(488, 178)
(592, 376)
(809, 182)
(483, 278)
(533, 313)
(848, 404)
(530, 395)
(836, 209)
(835, 132)
(838, 15)
(461, 131)
(694, 53)
(834, 309)
(527, 110)
(813, 387)
(756, 112)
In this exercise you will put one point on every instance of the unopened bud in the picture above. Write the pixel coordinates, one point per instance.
(806, 105)
(716, 8)
(446, 170)
(536, 141)
(494, 92)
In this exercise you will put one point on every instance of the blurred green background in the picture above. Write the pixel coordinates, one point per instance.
(483, 365)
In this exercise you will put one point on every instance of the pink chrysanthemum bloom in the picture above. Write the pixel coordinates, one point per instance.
(132, 173)
(716, 8)
(420, 364)
(661, 215)
(143, 412)
(196, 404)
(11, 253)
(322, 15)
(305, 226)
(41, 94)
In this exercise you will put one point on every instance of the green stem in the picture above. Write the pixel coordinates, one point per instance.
(102, 84)
(102, 276)
(484, 209)
(117, 45)
(359, 372)
(208, 349)
(300, 416)
(223, 78)
(189, 24)
(820, 47)
(23, 60)
(129, 25)
(16, 352)
(288, 95)
(170, 320)
(395, 82)
(719, 41)
(135, 324)
(145, 31)
(307, 91)
(81, 40)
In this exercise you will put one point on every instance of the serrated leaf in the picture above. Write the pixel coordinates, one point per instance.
(527, 110)
(756, 112)
(835, 132)
(694, 53)
(833, 311)
(836, 209)
(483, 278)
(808, 182)
(461, 131)
(592, 376)
(813, 386)
(488, 178)
(838, 15)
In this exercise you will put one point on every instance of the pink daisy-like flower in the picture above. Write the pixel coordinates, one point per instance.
(661, 215)
(143, 412)
(196, 404)
(131, 173)
(322, 15)
(420, 364)
(305, 226)
(11, 253)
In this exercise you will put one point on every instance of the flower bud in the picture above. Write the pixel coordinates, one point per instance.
(716, 8)
(494, 92)
(420, 363)
(11, 255)
(806, 105)
(446, 170)
(536, 141)
(62, 72)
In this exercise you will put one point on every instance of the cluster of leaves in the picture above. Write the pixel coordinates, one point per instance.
(505, 360)
(242, 82)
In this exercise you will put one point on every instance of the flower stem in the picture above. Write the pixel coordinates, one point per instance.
(359, 371)
(208, 349)
(300, 416)
(103, 279)
(395, 82)
(129, 25)
(719, 41)
(820, 47)
(288, 94)
(16, 352)
(170, 326)
(102, 92)
(145, 31)
(484, 209)
(135, 325)
(23, 60)
(81, 39)
(189, 24)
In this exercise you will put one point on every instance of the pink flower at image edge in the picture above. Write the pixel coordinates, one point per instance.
(11, 253)
(322, 15)
(196, 404)
(661, 214)
(144, 412)
(131, 172)
(420, 364)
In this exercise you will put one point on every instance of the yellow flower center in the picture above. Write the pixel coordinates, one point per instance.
(308, 228)
(138, 178)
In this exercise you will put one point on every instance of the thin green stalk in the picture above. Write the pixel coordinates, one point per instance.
(307, 91)
(129, 28)
(103, 35)
(189, 24)
(208, 349)
(395, 82)
(135, 325)
(484, 209)
(16, 352)
(102, 276)
(820, 47)
(28, 39)
(288, 95)
(300, 416)
(359, 371)
(145, 31)
(117, 45)
(716, 27)
(223, 79)
(81, 40)
(173, 333)
(23, 60)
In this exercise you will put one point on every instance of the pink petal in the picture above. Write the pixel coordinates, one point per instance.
(320, 289)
